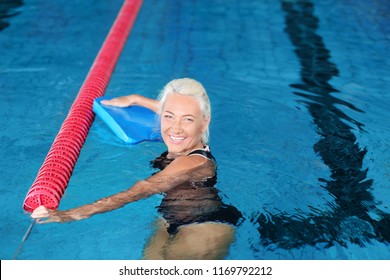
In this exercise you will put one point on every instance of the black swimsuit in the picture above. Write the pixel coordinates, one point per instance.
(194, 202)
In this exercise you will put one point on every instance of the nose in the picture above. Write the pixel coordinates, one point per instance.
(177, 127)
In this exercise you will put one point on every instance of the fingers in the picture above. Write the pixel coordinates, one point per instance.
(108, 102)
(42, 215)
(40, 212)
(44, 221)
(117, 102)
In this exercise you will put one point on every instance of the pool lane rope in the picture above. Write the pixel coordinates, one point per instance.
(57, 168)
(55, 172)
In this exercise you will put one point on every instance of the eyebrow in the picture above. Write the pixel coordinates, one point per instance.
(186, 115)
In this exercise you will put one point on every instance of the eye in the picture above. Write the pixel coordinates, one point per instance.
(168, 116)
(188, 120)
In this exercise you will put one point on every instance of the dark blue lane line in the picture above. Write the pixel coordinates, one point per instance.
(7, 10)
(338, 148)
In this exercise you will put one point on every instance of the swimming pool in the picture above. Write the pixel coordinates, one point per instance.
(299, 126)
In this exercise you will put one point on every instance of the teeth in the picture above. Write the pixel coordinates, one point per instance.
(177, 138)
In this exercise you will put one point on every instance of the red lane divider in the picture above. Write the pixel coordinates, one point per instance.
(54, 175)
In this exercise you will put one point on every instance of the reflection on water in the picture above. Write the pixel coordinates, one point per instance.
(6, 11)
(353, 216)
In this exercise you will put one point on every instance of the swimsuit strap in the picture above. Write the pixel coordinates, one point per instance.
(207, 154)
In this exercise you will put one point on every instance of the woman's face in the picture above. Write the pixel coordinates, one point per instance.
(182, 124)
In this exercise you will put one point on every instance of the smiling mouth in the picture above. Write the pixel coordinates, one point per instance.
(176, 139)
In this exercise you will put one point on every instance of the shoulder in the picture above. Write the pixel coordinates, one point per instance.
(187, 162)
(193, 168)
(204, 153)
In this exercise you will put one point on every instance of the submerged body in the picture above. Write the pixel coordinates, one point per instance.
(195, 201)
(195, 223)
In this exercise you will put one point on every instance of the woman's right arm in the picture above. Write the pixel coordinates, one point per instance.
(140, 190)
(133, 99)
(182, 169)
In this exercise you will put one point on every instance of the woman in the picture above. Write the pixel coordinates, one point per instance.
(195, 223)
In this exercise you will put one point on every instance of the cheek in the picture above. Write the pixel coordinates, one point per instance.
(197, 130)
(164, 125)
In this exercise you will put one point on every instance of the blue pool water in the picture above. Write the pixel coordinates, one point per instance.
(299, 128)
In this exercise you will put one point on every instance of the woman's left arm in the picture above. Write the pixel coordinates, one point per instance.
(133, 99)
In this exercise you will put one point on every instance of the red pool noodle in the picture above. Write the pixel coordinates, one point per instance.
(54, 175)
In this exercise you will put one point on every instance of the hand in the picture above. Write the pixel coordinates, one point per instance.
(44, 215)
(123, 101)
(133, 99)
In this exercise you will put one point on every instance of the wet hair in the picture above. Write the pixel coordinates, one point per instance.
(188, 87)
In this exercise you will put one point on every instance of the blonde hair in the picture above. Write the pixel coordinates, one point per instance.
(188, 87)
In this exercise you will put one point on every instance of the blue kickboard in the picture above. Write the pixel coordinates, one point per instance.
(132, 124)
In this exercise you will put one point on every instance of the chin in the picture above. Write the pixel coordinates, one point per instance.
(175, 147)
